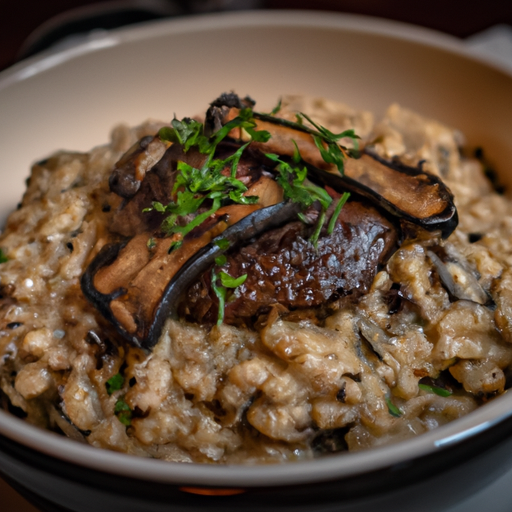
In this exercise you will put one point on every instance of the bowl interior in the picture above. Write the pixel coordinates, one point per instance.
(71, 100)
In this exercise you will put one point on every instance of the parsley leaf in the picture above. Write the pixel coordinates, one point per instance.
(393, 409)
(222, 243)
(3, 257)
(221, 260)
(292, 179)
(326, 141)
(231, 282)
(220, 293)
(220, 290)
(341, 203)
(326, 134)
(187, 132)
(277, 108)
(123, 412)
(333, 154)
(115, 383)
(434, 389)
(195, 186)
(175, 244)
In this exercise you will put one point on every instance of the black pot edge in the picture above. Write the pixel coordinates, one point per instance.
(372, 484)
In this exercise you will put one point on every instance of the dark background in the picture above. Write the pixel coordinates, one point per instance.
(19, 18)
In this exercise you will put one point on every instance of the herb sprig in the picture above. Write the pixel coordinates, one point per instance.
(392, 408)
(123, 412)
(327, 142)
(292, 178)
(3, 257)
(435, 389)
(115, 383)
(220, 290)
(195, 186)
(334, 153)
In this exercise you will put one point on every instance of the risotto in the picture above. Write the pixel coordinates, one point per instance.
(256, 288)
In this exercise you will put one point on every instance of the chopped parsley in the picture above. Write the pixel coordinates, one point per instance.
(221, 260)
(123, 412)
(220, 290)
(151, 244)
(115, 383)
(343, 199)
(3, 257)
(277, 108)
(435, 389)
(187, 132)
(393, 409)
(334, 153)
(292, 178)
(195, 186)
(231, 282)
(222, 243)
(209, 185)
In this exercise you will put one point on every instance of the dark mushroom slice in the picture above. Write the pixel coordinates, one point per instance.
(157, 185)
(409, 193)
(283, 134)
(137, 292)
(132, 219)
(219, 109)
(457, 277)
(61, 420)
(130, 169)
(283, 267)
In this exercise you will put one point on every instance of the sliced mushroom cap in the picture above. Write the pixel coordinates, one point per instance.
(131, 168)
(406, 192)
(409, 193)
(457, 277)
(137, 292)
(284, 268)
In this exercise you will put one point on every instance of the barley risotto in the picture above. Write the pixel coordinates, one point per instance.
(247, 287)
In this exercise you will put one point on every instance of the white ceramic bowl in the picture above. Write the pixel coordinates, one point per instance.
(72, 99)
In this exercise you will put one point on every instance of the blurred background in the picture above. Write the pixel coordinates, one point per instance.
(28, 26)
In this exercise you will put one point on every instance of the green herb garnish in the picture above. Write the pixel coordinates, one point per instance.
(435, 389)
(209, 183)
(222, 243)
(220, 293)
(326, 141)
(343, 199)
(115, 383)
(393, 409)
(151, 243)
(333, 153)
(187, 132)
(276, 109)
(123, 412)
(195, 186)
(220, 290)
(221, 260)
(231, 282)
(3, 257)
(175, 244)
(292, 179)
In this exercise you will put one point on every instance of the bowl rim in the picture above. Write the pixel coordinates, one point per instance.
(327, 468)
